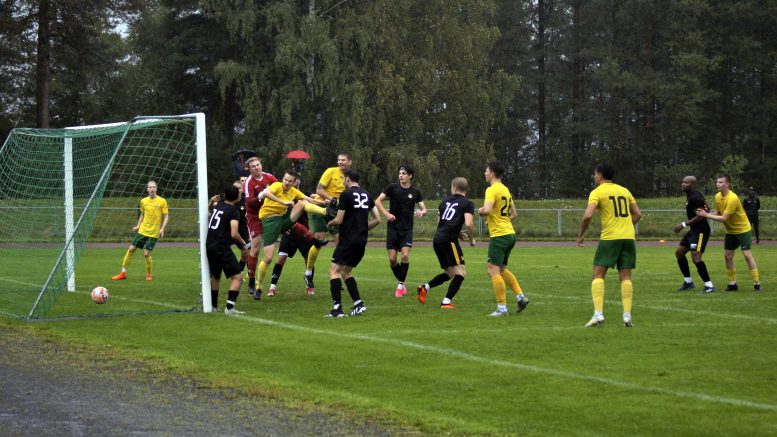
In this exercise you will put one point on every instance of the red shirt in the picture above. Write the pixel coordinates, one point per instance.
(253, 187)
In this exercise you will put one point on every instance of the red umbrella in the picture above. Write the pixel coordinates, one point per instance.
(298, 154)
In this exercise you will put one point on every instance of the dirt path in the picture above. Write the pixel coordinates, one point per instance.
(47, 389)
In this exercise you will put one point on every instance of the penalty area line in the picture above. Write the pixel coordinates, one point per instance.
(512, 365)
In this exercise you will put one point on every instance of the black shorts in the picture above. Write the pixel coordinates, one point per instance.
(397, 239)
(291, 243)
(349, 254)
(221, 258)
(448, 253)
(695, 241)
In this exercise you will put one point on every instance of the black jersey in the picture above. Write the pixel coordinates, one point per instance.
(452, 210)
(357, 204)
(219, 225)
(751, 205)
(696, 201)
(402, 204)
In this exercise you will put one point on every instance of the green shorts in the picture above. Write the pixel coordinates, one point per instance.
(616, 253)
(743, 240)
(144, 242)
(274, 226)
(499, 249)
(318, 224)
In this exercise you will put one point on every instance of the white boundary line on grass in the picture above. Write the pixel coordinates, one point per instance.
(675, 309)
(509, 364)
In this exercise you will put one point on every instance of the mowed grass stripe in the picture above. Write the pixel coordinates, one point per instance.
(508, 364)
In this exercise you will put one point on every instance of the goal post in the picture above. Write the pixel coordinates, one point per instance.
(62, 188)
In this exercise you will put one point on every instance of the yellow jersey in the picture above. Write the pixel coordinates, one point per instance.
(737, 222)
(614, 204)
(153, 211)
(498, 220)
(271, 207)
(333, 181)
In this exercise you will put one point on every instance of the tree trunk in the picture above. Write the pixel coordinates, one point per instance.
(541, 121)
(43, 64)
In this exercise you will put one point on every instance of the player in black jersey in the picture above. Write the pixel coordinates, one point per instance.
(353, 216)
(695, 240)
(455, 211)
(402, 196)
(243, 225)
(223, 231)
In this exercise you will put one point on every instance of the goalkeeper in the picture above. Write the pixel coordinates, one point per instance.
(151, 227)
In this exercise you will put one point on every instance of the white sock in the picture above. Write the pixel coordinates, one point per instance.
(446, 301)
(688, 280)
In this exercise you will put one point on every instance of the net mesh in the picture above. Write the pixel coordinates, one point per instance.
(43, 237)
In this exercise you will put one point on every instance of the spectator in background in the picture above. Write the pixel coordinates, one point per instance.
(752, 204)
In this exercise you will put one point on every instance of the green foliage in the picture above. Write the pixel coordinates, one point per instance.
(658, 89)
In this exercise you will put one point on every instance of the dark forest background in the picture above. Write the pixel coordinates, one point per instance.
(659, 89)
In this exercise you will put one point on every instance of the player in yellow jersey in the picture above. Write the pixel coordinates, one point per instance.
(617, 248)
(329, 187)
(738, 231)
(283, 205)
(151, 227)
(499, 212)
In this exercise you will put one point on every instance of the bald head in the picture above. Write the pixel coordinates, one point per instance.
(689, 183)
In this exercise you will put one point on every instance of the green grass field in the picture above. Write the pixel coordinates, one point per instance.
(693, 364)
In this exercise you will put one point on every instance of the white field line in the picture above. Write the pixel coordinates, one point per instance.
(20, 282)
(679, 310)
(508, 364)
(513, 365)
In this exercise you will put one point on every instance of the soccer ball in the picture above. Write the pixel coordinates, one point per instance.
(100, 295)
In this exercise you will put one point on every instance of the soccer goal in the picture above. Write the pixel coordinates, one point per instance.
(68, 202)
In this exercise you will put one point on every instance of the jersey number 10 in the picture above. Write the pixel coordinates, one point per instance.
(620, 206)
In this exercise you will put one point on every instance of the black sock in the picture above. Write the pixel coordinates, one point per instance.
(454, 286)
(438, 280)
(252, 282)
(395, 269)
(353, 289)
(276, 273)
(214, 298)
(403, 268)
(684, 269)
(702, 269)
(336, 288)
(232, 298)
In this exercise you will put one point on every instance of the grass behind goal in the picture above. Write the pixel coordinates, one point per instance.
(53, 185)
(693, 364)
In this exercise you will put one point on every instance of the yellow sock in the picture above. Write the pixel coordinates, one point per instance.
(499, 290)
(597, 293)
(732, 275)
(125, 263)
(512, 281)
(149, 264)
(314, 209)
(312, 256)
(627, 292)
(754, 275)
(262, 274)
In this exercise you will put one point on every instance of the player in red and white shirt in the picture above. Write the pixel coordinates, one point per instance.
(255, 184)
